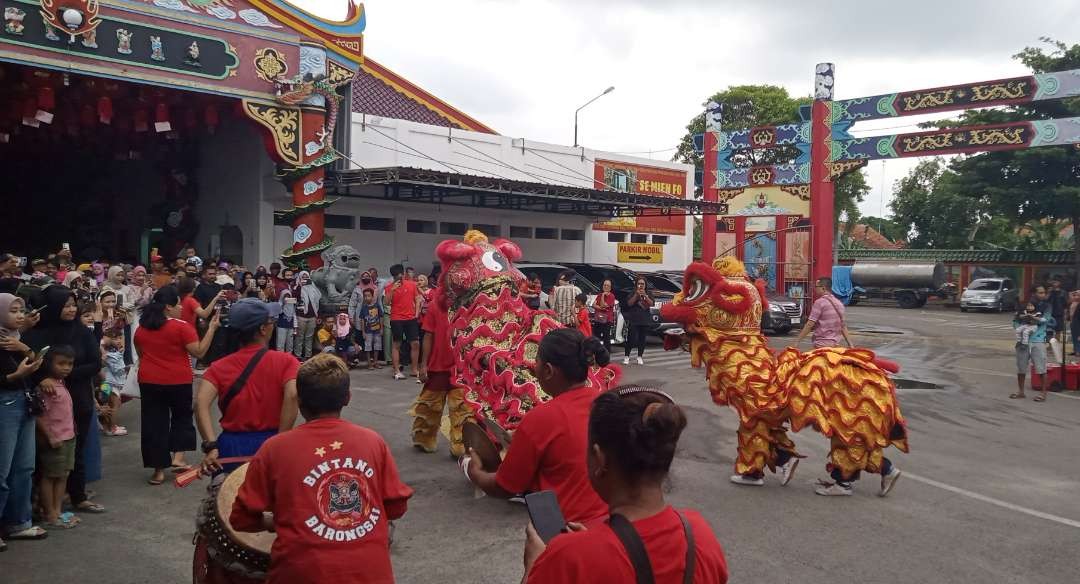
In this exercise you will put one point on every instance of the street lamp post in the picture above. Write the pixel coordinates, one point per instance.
(606, 91)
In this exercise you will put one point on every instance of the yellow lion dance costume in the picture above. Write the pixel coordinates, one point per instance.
(845, 394)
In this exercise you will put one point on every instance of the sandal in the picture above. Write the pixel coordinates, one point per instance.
(1039, 398)
(65, 521)
(89, 506)
(180, 468)
(34, 532)
(1017, 396)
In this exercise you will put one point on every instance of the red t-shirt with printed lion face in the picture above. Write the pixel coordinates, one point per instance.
(332, 487)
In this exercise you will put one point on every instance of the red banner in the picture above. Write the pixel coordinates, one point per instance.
(642, 180)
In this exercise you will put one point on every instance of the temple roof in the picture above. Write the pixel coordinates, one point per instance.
(378, 91)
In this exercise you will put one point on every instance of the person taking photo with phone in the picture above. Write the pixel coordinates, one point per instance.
(638, 315)
(548, 450)
(633, 432)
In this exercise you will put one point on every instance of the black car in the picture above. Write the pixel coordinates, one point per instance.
(623, 282)
(780, 313)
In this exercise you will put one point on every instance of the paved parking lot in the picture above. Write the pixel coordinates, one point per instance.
(991, 491)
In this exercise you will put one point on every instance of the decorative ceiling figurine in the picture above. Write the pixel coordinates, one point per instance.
(192, 58)
(157, 51)
(123, 41)
(13, 20)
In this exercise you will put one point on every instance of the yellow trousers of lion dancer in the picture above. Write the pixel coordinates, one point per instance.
(427, 412)
(846, 462)
(762, 444)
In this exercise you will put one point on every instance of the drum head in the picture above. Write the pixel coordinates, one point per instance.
(475, 437)
(256, 542)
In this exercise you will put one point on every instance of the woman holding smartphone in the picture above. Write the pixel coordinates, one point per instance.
(638, 315)
(605, 314)
(633, 433)
(548, 451)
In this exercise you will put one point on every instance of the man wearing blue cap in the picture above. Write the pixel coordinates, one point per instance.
(255, 387)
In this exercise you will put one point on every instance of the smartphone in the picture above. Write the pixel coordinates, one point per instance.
(20, 262)
(119, 300)
(66, 246)
(37, 310)
(545, 514)
(41, 354)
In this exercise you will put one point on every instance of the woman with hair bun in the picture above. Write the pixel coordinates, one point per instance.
(548, 450)
(633, 433)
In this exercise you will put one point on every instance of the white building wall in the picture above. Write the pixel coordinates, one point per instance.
(383, 142)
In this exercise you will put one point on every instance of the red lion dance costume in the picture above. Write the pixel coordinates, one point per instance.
(845, 394)
(495, 335)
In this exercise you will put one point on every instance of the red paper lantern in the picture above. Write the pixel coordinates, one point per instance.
(30, 107)
(161, 113)
(105, 110)
(46, 99)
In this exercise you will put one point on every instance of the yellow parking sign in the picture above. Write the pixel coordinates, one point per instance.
(641, 253)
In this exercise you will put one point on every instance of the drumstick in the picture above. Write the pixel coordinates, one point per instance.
(189, 476)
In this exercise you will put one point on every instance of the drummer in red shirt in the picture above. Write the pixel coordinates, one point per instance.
(548, 449)
(331, 487)
(633, 433)
(255, 388)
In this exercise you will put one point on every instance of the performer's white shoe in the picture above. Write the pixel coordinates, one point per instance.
(640, 361)
(739, 479)
(787, 471)
(626, 361)
(889, 481)
(831, 489)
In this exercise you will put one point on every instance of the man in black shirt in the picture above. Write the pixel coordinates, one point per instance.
(1058, 304)
(208, 288)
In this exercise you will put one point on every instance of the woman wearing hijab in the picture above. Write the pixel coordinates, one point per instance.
(142, 291)
(17, 450)
(308, 298)
(60, 325)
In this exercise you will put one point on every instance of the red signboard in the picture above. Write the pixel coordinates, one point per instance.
(642, 180)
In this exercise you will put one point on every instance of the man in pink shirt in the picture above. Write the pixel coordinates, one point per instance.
(826, 318)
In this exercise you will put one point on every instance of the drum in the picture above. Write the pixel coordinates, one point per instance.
(222, 554)
(488, 440)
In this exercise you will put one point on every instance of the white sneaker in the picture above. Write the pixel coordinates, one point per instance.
(828, 489)
(889, 481)
(399, 375)
(626, 361)
(787, 471)
(739, 479)
(640, 361)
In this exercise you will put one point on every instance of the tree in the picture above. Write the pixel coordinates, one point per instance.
(748, 106)
(930, 209)
(1030, 185)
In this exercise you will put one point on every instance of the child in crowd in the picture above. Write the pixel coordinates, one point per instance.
(115, 371)
(583, 323)
(325, 336)
(373, 328)
(1028, 320)
(344, 345)
(286, 321)
(56, 439)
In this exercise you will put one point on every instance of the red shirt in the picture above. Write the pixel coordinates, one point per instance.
(188, 306)
(608, 310)
(583, 323)
(163, 355)
(332, 486)
(548, 452)
(437, 322)
(257, 407)
(572, 557)
(403, 299)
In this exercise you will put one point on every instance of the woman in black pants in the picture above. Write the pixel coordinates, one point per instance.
(60, 326)
(638, 317)
(166, 345)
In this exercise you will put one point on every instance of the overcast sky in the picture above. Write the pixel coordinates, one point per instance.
(523, 67)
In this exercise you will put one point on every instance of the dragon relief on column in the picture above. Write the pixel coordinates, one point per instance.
(495, 335)
(846, 394)
(294, 91)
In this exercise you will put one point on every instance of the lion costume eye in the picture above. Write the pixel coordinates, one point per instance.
(494, 261)
(696, 291)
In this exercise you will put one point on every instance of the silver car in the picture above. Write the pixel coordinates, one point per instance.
(999, 294)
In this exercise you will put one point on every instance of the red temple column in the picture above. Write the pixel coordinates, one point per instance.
(821, 189)
(708, 186)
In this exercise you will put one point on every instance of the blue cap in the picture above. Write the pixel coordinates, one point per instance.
(249, 313)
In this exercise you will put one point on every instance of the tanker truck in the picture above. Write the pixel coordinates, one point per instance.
(910, 284)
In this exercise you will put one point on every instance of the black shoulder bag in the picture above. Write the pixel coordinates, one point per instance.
(639, 558)
(223, 403)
